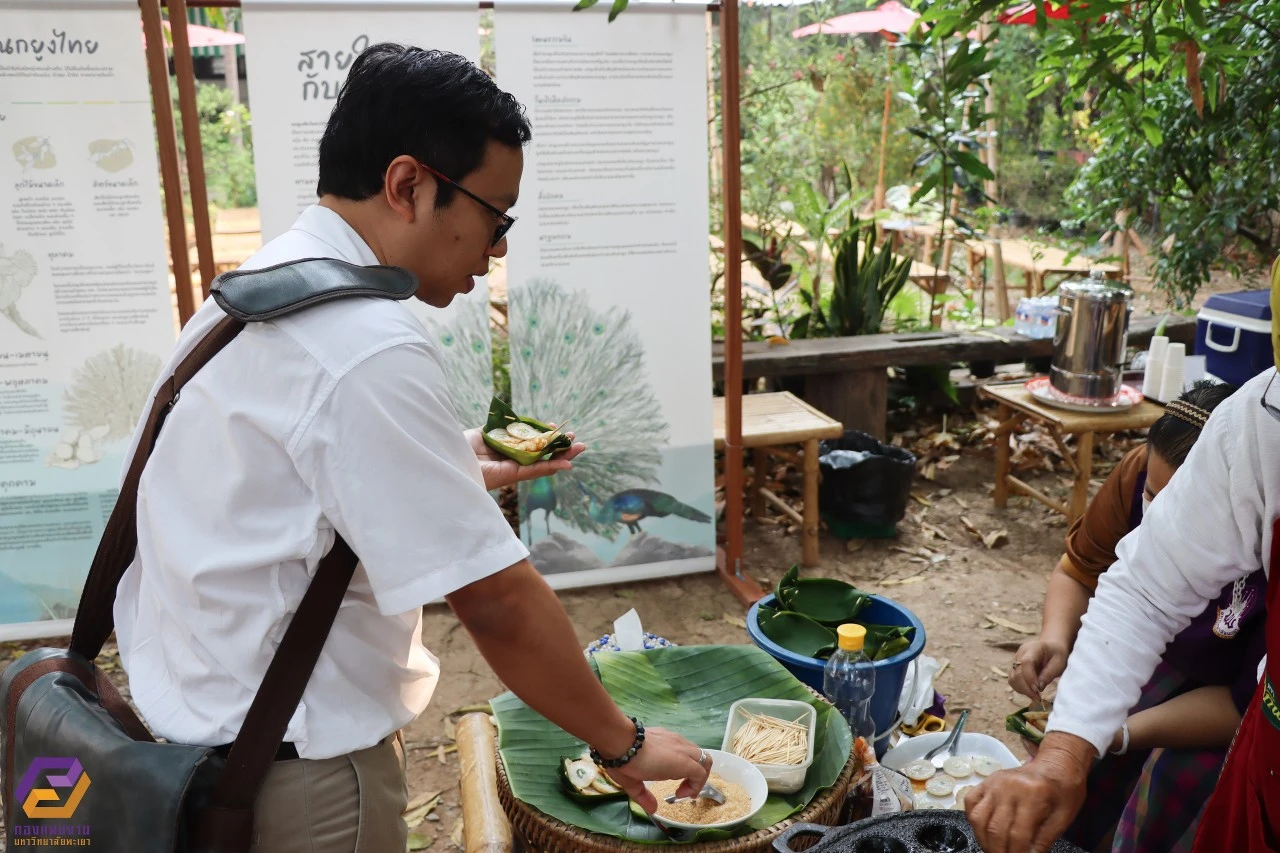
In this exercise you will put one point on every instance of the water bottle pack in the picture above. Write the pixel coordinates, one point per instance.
(1036, 316)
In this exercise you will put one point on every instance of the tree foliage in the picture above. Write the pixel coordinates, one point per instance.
(1183, 118)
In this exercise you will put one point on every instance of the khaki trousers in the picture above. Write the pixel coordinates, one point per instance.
(348, 804)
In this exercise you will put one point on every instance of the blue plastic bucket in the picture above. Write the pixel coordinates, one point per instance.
(891, 673)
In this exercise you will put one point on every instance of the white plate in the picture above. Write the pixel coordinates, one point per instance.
(969, 744)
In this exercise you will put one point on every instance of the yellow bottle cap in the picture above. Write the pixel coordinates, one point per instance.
(852, 637)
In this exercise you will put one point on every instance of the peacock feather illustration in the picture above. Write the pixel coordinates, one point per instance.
(571, 361)
(632, 506)
(111, 390)
(463, 339)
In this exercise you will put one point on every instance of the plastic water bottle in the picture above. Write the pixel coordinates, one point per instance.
(1022, 317)
(849, 681)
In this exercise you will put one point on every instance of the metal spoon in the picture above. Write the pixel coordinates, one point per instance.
(938, 755)
(708, 791)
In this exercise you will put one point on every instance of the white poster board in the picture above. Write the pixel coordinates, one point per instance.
(86, 313)
(607, 278)
(298, 55)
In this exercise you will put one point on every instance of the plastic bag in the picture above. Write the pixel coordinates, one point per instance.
(864, 481)
(920, 673)
(877, 790)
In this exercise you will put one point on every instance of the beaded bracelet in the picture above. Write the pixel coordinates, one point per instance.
(612, 763)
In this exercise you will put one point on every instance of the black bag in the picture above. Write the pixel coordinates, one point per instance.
(865, 484)
(77, 761)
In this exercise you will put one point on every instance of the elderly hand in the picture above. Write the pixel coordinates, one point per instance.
(499, 470)
(1027, 809)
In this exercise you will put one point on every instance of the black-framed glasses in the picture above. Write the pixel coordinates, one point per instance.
(1274, 411)
(505, 220)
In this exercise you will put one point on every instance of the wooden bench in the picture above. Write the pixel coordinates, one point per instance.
(846, 377)
(775, 420)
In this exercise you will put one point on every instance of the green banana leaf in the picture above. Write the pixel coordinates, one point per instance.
(796, 632)
(1017, 723)
(827, 600)
(686, 689)
(501, 415)
(885, 641)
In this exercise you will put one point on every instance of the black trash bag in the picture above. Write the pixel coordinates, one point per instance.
(865, 482)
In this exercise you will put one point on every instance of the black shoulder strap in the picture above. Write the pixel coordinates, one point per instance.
(247, 296)
(262, 294)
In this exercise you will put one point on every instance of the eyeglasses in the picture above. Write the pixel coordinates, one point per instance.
(506, 221)
(1274, 411)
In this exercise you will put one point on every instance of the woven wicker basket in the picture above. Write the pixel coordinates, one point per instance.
(539, 833)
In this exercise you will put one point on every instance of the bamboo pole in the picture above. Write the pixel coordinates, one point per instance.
(184, 69)
(884, 124)
(170, 170)
(730, 563)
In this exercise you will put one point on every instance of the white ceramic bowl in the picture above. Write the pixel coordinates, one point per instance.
(733, 769)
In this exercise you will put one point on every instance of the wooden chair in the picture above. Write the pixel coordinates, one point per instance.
(770, 422)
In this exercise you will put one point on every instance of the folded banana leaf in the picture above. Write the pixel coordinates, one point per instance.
(1019, 724)
(829, 601)
(796, 632)
(686, 689)
(885, 641)
(502, 416)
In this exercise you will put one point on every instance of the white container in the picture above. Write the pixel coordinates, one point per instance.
(781, 778)
(730, 768)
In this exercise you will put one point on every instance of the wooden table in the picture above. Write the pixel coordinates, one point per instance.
(1017, 405)
(1037, 261)
(770, 421)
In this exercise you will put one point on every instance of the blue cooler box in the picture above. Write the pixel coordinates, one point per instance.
(1233, 333)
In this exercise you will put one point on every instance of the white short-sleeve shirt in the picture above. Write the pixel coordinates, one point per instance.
(333, 418)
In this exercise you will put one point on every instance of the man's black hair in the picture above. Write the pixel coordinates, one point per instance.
(430, 104)
(1170, 437)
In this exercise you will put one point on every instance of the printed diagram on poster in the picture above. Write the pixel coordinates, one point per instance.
(86, 313)
(609, 312)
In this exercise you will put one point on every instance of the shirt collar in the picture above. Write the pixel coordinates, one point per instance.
(330, 228)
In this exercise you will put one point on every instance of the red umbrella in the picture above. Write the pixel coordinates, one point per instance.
(207, 36)
(1026, 14)
(890, 17)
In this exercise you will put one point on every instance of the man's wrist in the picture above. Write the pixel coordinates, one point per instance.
(610, 759)
(619, 739)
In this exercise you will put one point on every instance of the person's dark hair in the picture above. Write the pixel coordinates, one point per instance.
(430, 104)
(1171, 437)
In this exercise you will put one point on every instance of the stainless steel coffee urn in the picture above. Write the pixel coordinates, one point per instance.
(1090, 337)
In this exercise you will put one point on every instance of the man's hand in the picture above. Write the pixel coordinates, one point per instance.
(1027, 809)
(1035, 665)
(502, 471)
(663, 756)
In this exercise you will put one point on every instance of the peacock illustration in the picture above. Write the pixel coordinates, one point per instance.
(538, 495)
(16, 272)
(631, 506)
(463, 339)
(571, 362)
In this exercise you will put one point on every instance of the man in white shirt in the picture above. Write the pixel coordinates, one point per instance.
(1214, 523)
(336, 420)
